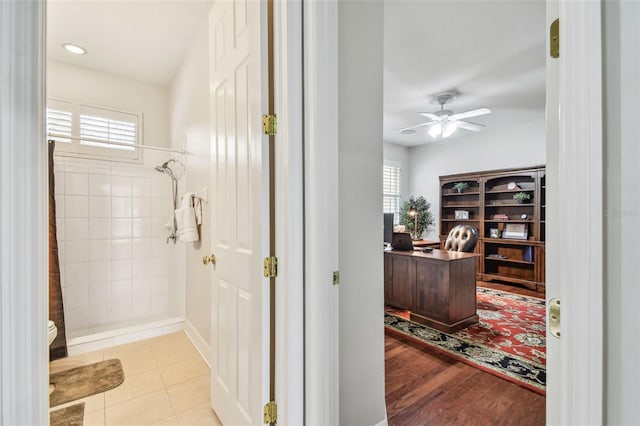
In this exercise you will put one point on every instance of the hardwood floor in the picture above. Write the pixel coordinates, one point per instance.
(424, 387)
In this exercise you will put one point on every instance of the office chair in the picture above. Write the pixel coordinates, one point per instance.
(462, 238)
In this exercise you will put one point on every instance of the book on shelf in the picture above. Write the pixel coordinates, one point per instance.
(500, 216)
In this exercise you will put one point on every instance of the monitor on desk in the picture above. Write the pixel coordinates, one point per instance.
(402, 241)
(388, 227)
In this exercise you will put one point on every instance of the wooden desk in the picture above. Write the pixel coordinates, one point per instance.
(426, 243)
(439, 288)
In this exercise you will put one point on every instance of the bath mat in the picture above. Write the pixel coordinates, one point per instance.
(84, 381)
(68, 416)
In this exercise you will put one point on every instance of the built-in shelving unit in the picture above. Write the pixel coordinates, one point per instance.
(512, 234)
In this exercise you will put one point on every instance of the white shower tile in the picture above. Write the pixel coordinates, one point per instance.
(99, 185)
(159, 285)
(77, 165)
(141, 228)
(76, 206)
(121, 290)
(141, 308)
(121, 186)
(161, 187)
(63, 274)
(77, 297)
(60, 210)
(142, 268)
(77, 251)
(76, 319)
(62, 252)
(121, 228)
(142, 288)
(101, 314)
(100, 250)
(102, 167)
(59, 178)
(100, 228)
(61, 229)
(141, 207)
(160, 266)
(121, 269)
(76, 229)
(121, 207)
(142, 247)
(76, 184)
(121, 249)
(99, 293)
(99, 206)
(100, 271)
(121, 311)
(161, 226)
(160, 247)
(77, 274)
(141, 187)
(159, 304)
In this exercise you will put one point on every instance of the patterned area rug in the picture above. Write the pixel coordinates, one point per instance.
(509, 341)
(69, 416)
(84, 381)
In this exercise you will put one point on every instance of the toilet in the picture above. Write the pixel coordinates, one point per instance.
(53, 331)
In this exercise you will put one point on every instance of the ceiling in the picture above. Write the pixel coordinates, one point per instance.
(144, 40)
(491, 52)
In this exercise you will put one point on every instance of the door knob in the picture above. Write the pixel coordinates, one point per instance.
(209, 259)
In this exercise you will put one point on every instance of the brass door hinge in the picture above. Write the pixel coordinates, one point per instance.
(554, 317)
(336, 277)
(270, 412)
(271, 267)
(554, 39)
(270, 124)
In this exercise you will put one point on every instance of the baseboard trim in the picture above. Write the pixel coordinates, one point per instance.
(383, 422)
(198, 341)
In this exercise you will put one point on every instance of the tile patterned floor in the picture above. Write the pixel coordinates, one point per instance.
(166, 384)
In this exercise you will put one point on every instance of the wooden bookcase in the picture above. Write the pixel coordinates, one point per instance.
(488, 204)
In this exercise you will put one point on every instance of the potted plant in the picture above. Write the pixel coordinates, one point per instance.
(521, 197)
(423, 219)
(460, 186)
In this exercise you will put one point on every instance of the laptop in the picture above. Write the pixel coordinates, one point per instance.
(401, 241)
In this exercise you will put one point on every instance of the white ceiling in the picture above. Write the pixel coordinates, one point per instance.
(491, 52)
(144, 40)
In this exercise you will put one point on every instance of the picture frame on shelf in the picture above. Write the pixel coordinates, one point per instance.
(515, 231)
(494, 233)
(461, 214)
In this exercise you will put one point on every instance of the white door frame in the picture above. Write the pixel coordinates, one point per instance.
(575, 228)
(24, 368)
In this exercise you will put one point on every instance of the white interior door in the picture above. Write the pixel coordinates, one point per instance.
(239, 378)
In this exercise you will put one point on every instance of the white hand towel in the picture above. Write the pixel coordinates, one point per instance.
(186, 219)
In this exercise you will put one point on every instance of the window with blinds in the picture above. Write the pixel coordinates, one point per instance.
(391, 191)
(98, 132)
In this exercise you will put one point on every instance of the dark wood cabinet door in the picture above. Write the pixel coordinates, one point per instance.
(432, 295)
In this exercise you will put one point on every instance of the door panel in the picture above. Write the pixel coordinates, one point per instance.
(237, 375)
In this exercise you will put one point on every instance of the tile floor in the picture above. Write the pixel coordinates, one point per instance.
(166, 384)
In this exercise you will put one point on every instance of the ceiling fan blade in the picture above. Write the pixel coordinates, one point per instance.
(472, 113)
(416, 126)
(467, 125)
(429, 115)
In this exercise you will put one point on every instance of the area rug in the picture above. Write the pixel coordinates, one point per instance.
(508, 341)
(84, 381)
(68, 416)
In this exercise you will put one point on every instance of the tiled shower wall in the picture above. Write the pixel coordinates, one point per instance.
(114, 260)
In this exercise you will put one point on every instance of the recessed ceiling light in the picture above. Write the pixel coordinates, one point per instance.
(75, 49)
(408, 132)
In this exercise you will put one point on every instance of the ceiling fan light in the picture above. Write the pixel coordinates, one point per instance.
(435, 130)
(448, 129)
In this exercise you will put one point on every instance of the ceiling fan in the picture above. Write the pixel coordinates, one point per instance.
(444, 122)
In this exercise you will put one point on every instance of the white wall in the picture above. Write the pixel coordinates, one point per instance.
(189, 107)
(622, 210)
(361, 351)
(398, 155)
(500, 148)
(115, 263)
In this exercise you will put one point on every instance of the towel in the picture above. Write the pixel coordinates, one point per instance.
(188, 217)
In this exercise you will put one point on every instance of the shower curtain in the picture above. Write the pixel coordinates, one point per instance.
(58, 348)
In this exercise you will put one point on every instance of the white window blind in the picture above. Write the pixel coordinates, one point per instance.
(107, 130)
(391, 191)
